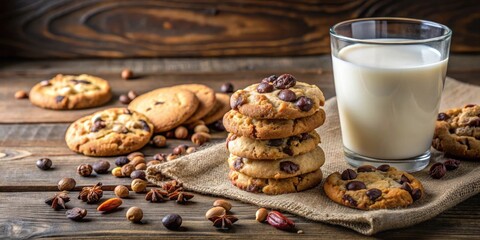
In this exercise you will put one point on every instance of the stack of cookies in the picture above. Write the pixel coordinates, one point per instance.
(272, 140)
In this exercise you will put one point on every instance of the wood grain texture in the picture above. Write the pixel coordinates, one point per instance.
(147, 28)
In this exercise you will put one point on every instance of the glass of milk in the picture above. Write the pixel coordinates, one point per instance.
(389, 75)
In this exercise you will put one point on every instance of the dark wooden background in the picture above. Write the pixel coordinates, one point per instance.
(193, 28)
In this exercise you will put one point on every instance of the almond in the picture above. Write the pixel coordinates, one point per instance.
(110, 205)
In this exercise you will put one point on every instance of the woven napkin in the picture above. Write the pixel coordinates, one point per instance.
(206, 172)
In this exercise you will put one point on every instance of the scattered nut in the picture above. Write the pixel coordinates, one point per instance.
(261, 215)
(200, 138)
(194, 124)
(451, 164)
(171, 157)
(66, 184)
(201, 128)
(21, 94)
(121, 191)
(101, 166)
(437, 170)
(227, 88)
(279, 221)
(140, 174)
(300, 231)
(180, 149)
(76, 213)
(172, 221)
(141, 166)
(134, 214)
(134, 154)
(170, 134)
(191, 149)
(215, 212)
(120, 161)
(109, 205)
(117, 172)
(124, 99)
(153, 162)
(223, 203)
(160, 157)
(181, 132)
(137, 160)
(139, 185)
(84, 170)
(131, 95)
(127, 169)
(44, 163)
(127, 74)
(159, 141)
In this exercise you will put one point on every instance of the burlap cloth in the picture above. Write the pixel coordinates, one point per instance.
(206, 171)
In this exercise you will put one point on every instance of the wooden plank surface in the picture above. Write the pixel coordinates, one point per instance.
(148, 28)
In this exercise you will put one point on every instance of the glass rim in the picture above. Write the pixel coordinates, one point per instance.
(446, 35)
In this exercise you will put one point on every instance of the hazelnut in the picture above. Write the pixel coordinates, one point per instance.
(84, 170)
(153, 162)
(101, 166)
(215, 212)
(223, 203)
(121, 191)
(21, 94)
(180, 149)
(200, 138)
(261, 215)
(170, 157)
(120, 161)
(191, 149)
(227, 88)
(44, 163)
(159, 141)
(127, 74)
(66, 184)
(141, 166)
(127, 169)
(138, 185)
(160, 157)
(140, 174)
(134, 154)
(124, 99)
(131, 95)
(194, 124)
(201, 128)
(181, 132)
(170, 134)
(137, 160)
(117, 172)
(134, 214)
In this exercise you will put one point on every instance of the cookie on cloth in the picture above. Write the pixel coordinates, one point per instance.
(111, 132)
(276, 186)
(70, 92)
(222, 106)
(206, 100)
(457, 132)
(281, 168)
(242, 125)
(278, 98)
(274, 148)
(370, 188)
(166, 108)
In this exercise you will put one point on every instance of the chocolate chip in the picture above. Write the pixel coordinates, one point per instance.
(287, 95)
(350, 200)
(383, 168)
(270, 79)
(304, 103)
(97, 126)
(416, 194)
(470, 105)
(238, 102)
(81, 81)
(373, 193)
(45, 83)
(275, 142)
(59, 98)
(355, 185)
(227, 88)
(349, 174)
(285, 81)
(366, 168)
(127, 111)
(124, 99)
(289, 167)
(305, 136)
(288, 151)
(238, 164)
(451, 164)
(407, 187)
(218, 126)
(437, 170)
(442, 117)
(144, 125)
(264, 87)
(475, 122)
(404, 179)
(158, 103)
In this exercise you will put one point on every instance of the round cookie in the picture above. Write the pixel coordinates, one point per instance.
(70, 92)
(166, 108)
(257, 105)
(457, 132)
(205, 96)
(274, 148)
(242, 125)
(222, 106)
(371, 188)
(276, 186)
(111, 132)
(277, 169)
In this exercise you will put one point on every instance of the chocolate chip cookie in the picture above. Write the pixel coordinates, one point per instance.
(457, 132)
(111, 132)
(222, 106)
(278, 98)
(166, 108)
(205, 96)
(274, 148)
(276, 186)
(282, 168)
(370, 188)
(242, 125)
(71, 92)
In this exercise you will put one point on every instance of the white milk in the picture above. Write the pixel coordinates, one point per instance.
(388, 98)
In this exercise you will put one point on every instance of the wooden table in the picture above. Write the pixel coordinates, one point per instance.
(28, 133)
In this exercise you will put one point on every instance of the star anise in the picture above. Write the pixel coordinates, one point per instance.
(91, 194)
(180, 197)
(172, 186)
(224, 221)
(58, 200)
(156, 195)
